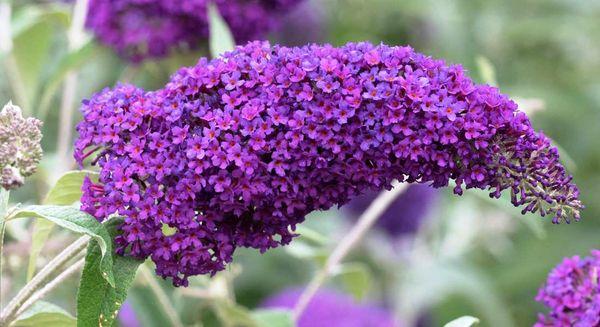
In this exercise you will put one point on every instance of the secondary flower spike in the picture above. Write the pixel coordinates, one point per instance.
(331, 308)
(20, 149)
(234, 152)
(572, 292)
(140, 29)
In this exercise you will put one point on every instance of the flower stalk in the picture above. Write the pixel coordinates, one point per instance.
(162, 298)
(9, 313)
(76, 38)
(4, 196)
(47, 288)
(353, 238)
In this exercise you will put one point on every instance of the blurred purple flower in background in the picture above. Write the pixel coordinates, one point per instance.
(330, 309)
(572, 292)
(303, 25)
(127, 316)
(405, 214)
(236, 151)
(140, 29)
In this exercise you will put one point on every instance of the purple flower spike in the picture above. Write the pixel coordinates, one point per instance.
(140, 29)
(329, 308)
(572, 292)
(240, 166)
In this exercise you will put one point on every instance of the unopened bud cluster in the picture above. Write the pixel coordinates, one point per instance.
(20, 149)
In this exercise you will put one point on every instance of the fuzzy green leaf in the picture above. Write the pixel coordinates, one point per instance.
(44, 314)
(486, 70)
(356, 278)
(69, 62)
(29, 16)
(98, 302)
(77, 221)
(273, 318)
(41, 231)
(232, 314)
(66, 191)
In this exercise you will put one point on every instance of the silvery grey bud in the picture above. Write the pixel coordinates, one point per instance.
(20, 149)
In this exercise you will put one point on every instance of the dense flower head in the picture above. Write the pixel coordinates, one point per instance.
(331, 308)
(236, 151)
(572, 292)
(138, 29)
(20, 149)
(405, 214)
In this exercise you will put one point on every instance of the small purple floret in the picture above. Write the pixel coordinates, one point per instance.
(236, 151)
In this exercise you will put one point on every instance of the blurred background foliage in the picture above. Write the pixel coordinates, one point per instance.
(470, 256)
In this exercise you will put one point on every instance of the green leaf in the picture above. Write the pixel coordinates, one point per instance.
(312, 235)
(30, 52)
(356, 278)
(220, 39)
(148, 309)
(77, 221)
(464, 321)
(44, 314)
(232, 314)
(4, 194)
(71, 61)
(98, 302)
(168, 230)
(273, 318)
(41, 231)
(486, 70)
(29, 16)
(66, 191)
(427, 283)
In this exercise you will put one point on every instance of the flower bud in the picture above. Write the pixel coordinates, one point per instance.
(20, 149)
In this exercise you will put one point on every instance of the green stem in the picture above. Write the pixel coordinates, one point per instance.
(161, 296)
(352, 238)
(51, 285)
(10, 312)
(75, 38)
(4, 194)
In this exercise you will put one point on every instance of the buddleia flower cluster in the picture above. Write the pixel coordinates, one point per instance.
(236, 151)
(20, 149)
(572, 293)
(140, 29)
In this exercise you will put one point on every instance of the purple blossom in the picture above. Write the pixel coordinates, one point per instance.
(572, 293)
(127, 316)
(140, 29)
(329, 308)
(248, 171)
(405, 214)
